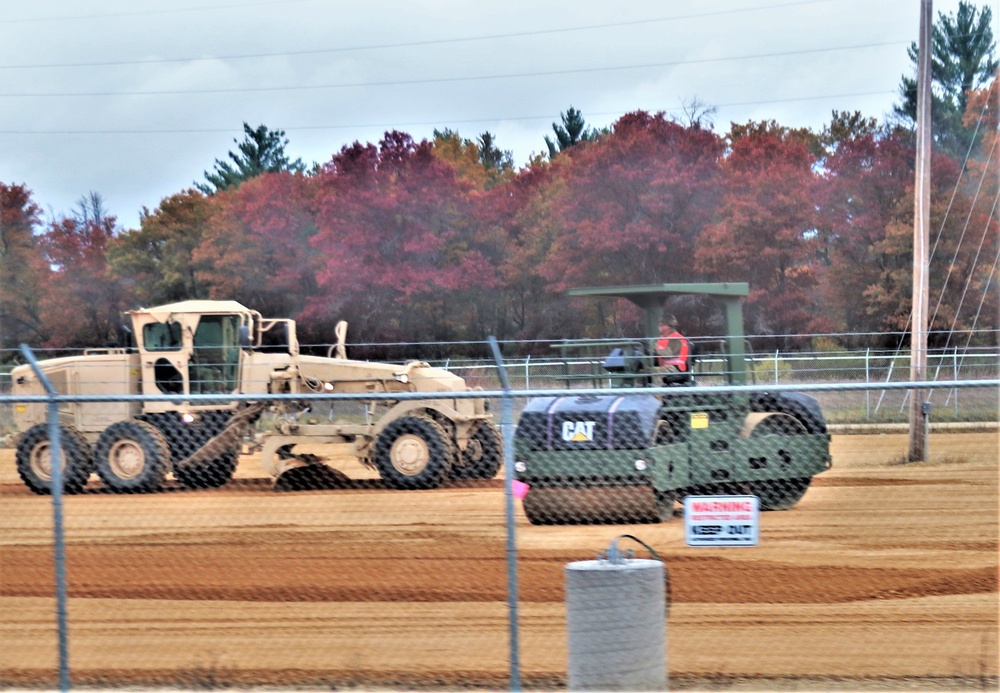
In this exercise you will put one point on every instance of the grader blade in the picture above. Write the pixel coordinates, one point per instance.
(228, 440)
(311, 477)
(590, 506)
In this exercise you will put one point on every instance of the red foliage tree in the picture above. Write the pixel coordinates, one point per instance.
(630, 205)
(398, 242)
(23, 271)
(82, 303)
(867, 192)
(255, 248)
(766, 229)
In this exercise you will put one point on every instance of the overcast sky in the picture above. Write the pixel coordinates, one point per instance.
(135, 99)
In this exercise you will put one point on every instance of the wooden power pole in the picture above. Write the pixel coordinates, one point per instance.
(919, 407)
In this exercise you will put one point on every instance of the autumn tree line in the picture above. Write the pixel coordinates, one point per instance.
(445, 240)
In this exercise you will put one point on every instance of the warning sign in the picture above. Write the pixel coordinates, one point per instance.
(722, 520)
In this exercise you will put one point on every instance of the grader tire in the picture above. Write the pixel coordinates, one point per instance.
(481, 459)
(185, 439)
(34, 459)
(210, 473)
(413, 452)
(132, 457)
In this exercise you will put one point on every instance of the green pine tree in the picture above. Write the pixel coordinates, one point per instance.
(261, 151)
(962, 59)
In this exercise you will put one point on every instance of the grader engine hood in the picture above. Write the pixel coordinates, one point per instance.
(345, 375)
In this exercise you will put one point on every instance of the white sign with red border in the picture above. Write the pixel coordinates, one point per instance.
(722, 520)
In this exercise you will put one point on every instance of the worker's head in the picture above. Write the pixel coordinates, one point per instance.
(668, 320)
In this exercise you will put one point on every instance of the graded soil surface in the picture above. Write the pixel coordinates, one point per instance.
(883, 576)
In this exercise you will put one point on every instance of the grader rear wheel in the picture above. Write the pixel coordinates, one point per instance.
(187, 438)
(34, 459)
(132, 457)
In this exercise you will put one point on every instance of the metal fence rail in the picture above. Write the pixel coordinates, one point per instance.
(348, 582)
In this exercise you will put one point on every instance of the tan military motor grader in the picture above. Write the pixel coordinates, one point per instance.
(221, 348)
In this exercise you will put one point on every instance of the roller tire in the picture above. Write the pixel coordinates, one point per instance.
(665, 501)
(34, 464)
(132, 457)
(412, 453)
(538, 513)
(802, 406)
(780, 494)
(481, 459)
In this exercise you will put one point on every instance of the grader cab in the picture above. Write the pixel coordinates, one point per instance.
(223, 348)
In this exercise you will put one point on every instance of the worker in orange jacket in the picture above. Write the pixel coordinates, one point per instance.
(672, 348)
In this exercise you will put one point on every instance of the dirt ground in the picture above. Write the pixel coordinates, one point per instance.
(883, 576)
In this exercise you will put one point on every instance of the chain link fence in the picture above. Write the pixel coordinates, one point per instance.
(382, 540)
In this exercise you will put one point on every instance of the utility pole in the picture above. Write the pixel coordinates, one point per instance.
(919, 409)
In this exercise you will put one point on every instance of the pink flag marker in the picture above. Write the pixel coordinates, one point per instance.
(519, 488)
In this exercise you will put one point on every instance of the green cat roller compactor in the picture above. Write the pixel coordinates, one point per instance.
(614, 458)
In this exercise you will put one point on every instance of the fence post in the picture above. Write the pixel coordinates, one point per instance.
(868, 380)
(954, 371)
(507, 427)
(55, 456)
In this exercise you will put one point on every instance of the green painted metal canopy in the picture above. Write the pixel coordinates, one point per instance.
(650, 297)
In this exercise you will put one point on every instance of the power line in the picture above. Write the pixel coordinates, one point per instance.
(447, 80)
(384, 46)
(144, 13)
(348, 126)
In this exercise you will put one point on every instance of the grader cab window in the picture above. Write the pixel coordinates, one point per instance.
(215, 360)
(162, 336)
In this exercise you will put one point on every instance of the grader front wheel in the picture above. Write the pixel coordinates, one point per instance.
(482, 457)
